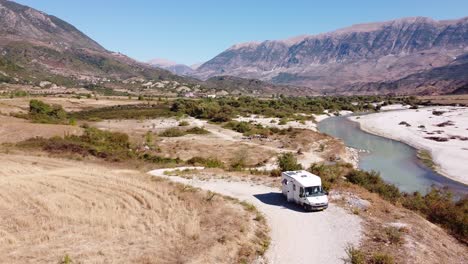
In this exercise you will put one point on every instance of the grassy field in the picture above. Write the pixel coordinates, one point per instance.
(53, 208)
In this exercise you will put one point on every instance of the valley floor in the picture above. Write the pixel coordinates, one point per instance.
(443, 131)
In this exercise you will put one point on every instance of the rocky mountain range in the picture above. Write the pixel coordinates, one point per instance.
(387, 57)
(35, 47)
(40, 50)
(405, 56)
(174, 67)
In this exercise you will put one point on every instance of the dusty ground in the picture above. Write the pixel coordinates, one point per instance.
(226, 145)
(420, 242)
(13, 130)
(447, 99)
(21, 104)
(297, 236)
(50, 208)
(212, 145)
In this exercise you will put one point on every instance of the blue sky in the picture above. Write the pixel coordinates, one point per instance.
(190, 31)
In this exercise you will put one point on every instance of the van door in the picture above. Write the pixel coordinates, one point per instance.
(291, 191)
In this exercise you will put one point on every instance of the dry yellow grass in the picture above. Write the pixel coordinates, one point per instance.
(21, 104)
(14, 130)
(50, 208)
(447, 99)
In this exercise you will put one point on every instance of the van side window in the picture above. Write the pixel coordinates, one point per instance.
(301, 192)
(294, 187)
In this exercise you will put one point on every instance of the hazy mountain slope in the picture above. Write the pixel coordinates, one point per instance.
(35, 46)
(448, 79)
(20, 22)
(236, 85)
(174, 67)
(359, 54)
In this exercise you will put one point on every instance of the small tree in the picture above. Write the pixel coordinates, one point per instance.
(287, 162)
(39, 107)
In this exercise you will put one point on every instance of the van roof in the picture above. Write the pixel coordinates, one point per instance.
(304, 178)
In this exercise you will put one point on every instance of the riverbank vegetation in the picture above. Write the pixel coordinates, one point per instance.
(426, 158)
(221, 109)
(438, 205)
(224, 109)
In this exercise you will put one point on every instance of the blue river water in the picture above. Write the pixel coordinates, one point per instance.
(396, 162)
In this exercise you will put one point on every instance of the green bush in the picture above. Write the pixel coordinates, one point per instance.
(330, 174)
(241, 127)
(139, 111)
(381, 258)
(288, 162)
(197, 131)
(393, 235)
(172, 132)
(113, 146)
(224, 109)
(355, 256)
(374, 183)
(159, 160)
(41, 112)
(184, 123)
(206, 162)
(439, 207)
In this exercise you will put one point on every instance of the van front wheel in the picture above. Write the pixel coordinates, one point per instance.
(306, 207)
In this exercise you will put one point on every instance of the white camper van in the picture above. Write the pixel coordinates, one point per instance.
(305, 189)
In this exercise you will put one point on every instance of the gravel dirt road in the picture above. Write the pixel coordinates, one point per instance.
(297, 236)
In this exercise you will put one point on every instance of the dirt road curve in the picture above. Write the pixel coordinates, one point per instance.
(297, 236)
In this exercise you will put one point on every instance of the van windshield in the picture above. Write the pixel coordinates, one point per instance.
(313, 191)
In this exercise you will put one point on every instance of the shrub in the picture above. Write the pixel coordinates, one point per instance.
(113, 146)
(329, 174)
(159, 160)
(355, 256)
(206, 162)
(197, 131)
(66, 260)
(439, 207)
(172, 132)
(288, 162)
(184, 123)
(44, 113)
(239, 161)
(72, 122)
(393, 235)
(241, 127)
(374, 183)
(140, 111)
(275, 173)
(381, 258)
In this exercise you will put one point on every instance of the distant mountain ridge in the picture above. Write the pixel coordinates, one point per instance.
(174, 67)
(346, 58)
(35, 47)
(20, 22)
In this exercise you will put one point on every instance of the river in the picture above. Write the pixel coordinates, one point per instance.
(397, 162)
